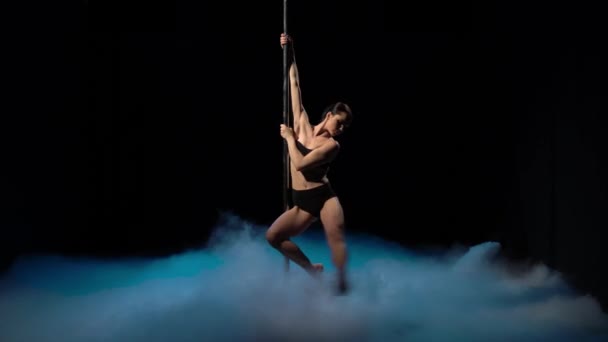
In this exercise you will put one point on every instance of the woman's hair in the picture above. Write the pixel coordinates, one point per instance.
(339, 107)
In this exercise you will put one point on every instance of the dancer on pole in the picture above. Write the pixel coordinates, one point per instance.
(311, 149)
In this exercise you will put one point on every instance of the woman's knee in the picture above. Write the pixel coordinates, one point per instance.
(335, 233)
(273, 237)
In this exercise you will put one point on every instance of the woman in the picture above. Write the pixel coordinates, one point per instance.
(311, 149)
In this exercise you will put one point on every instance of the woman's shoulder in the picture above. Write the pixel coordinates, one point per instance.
(336, 145)
(315, 143)
(330, 145)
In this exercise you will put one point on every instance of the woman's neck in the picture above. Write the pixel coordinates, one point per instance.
(319, 130)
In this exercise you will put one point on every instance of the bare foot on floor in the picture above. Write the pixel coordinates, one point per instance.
(342, 289)
(316, 270)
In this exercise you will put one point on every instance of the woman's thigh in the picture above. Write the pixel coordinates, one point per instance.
(291, 223)
(332, 218)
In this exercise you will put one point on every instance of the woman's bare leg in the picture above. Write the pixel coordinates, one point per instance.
(291, 223)
(332, 218)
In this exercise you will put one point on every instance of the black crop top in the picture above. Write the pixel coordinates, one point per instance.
(313, 174)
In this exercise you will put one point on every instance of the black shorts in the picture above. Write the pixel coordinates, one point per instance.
(312, 200)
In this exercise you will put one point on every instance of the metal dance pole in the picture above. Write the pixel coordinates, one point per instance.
(286, 121)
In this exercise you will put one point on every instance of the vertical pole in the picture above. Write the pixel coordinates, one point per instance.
(286, 121)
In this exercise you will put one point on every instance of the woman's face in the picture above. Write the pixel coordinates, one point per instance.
(336, 124)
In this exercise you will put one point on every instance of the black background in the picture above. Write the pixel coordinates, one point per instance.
(128, 127)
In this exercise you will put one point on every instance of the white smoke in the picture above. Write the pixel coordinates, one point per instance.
(235, 289)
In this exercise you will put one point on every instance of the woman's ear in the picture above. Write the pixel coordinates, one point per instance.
(328, 115)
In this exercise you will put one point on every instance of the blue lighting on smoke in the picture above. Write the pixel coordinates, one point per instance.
(235, 289)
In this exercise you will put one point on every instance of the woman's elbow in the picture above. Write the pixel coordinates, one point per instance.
(301, 167)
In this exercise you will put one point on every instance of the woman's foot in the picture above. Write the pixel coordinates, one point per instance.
(342, 288)
(316, 269)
